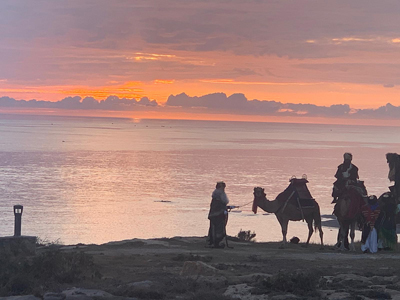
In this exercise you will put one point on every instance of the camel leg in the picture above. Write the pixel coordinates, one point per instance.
(321, 235)
(317, 224)
(310, 231)
(352, 235)
(284, 225)
(339, 236)
(344, 231)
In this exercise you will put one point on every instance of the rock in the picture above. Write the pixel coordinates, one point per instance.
(141, 284)
(85, 294)
(54, 296)
(327, 279)
(377, 286)
(352, 277)
(393, 293)
(284, 297)
(212, 281)
(24, 297)
(326, 293)
(196, 268)
(250, 278)
(340, 296)
(243, 292)
(361, 297)
(385, 279)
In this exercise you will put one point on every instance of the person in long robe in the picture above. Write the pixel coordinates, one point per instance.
(218, 216)
(393, 160)
(386, 223)
(369, 236)
(346, 174)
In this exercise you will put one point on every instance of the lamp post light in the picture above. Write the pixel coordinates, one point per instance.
(18, 215)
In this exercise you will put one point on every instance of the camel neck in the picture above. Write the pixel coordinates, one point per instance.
(268, 206)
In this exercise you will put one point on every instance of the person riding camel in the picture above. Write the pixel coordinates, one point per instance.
(346, 175)
(217, 216)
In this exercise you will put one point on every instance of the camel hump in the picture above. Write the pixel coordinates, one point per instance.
(297, 193)
(300, 188)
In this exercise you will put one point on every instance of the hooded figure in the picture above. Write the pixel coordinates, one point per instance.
(217, 215)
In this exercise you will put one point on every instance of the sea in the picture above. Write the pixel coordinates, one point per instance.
(95, 180)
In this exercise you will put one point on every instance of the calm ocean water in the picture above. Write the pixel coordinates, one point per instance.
(94, 180)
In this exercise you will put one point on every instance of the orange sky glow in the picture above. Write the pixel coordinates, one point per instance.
(297, 53)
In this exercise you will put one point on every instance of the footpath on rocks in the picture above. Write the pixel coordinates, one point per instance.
(183, 268)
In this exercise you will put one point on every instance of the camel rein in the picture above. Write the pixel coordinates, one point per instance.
(238, 206)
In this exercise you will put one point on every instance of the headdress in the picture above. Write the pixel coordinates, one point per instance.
(348, 156)
(220, 184)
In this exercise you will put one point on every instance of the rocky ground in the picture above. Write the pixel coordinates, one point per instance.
(182, 268)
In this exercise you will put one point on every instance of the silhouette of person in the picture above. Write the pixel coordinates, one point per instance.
(369, 236)
(393, 159)
(217, 216)
(386, 222)
(346, 174)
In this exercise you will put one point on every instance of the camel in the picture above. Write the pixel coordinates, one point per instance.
(348, 213)
(286, 211)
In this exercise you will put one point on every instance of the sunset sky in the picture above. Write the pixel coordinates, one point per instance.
(292, 52)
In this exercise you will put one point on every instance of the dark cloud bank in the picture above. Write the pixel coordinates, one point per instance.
(211, 103)
(111, 103)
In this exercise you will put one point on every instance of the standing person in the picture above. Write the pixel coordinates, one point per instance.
(369, 236)
(346, 174)
(217, 216)
(393, 159)
(386, 223)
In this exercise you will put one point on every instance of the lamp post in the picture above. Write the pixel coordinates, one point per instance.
(18, 215)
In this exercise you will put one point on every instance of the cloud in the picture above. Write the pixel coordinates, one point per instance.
(88, 103)
(388, 111)
(388, 85)
(216, 103)
(361, 73)
(239, 104)
(297, 29)
(67, 42)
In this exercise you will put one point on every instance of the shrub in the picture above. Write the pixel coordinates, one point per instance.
(46, 242)
(246, 236)
(298, 282)
(20, 275)
(60, 266)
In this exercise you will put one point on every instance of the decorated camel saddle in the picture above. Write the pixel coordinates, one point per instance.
(297, 194)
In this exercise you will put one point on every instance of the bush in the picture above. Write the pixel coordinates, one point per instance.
(20, 275)
(246, 236)
(61, 267)
(46, 242)
(299, 283)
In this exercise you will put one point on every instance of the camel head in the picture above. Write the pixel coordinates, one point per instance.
(259, 192)
(258, 195)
